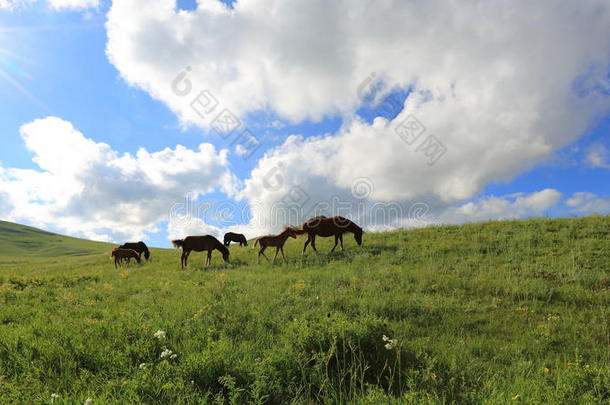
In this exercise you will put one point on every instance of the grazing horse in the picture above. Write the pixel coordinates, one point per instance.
(120, 254)
(325, 227)
(139, 247)
(199, 244)
(276, 241)
(235, 237)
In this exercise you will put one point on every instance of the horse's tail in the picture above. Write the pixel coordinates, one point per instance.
(255, 243)
(178, 243)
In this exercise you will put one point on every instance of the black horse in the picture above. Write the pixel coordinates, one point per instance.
(139, 247)
(235, 237)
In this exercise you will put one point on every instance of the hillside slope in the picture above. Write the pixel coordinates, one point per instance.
(24, 241)
(506, 312)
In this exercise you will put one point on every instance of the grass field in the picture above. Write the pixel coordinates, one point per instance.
(496, 313)
(20, 243)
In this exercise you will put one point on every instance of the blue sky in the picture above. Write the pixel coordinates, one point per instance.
(55, 63)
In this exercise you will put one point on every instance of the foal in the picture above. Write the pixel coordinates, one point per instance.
(276, 241)
(120, 254)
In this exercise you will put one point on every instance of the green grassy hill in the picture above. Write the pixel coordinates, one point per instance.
(20, 241)
(496, 313)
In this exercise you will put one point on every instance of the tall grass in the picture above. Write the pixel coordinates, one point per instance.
(501, 312)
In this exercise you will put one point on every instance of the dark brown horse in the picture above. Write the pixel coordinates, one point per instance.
(325, 227)
(124, 254)
(139, 247)
(235, 237)
(200, 244)
(276, 241)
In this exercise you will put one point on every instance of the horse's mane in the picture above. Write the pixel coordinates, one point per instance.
(288, 228)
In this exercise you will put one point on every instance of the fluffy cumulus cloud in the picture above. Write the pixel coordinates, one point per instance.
(54, 4)
(86, 188)
(501, 85)
(587, 203)
(512, 206)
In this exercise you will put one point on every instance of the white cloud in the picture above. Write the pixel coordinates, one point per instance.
(86, 187)
(587, 203)
(514, 206)
(73, 4)
(306, 59)
(501, 84)
(597, 156)
(6, 205)
(54, 4)
(177, 229)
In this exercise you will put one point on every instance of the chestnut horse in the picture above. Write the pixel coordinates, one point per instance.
(325, 227)
(199, 244)
(235, 237)
(124, 254)
(276, 241)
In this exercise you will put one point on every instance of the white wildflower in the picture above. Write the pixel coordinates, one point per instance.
(173, 356)
(88, 401)
(391, 343)
(54, 397)
(160, 334)
(142, 366)
(166, 353)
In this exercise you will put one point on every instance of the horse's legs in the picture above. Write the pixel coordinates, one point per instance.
(313, 243)
(277, 250)
(336, 241)
(209, 259)
(282, 250)
(116, 260)
(341, 240)
(262, 252)
(306, 243)
(186, 257)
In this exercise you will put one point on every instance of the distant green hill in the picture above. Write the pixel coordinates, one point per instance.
(25, 241)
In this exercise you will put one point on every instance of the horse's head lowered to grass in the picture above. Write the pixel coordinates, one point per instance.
(358, 235)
